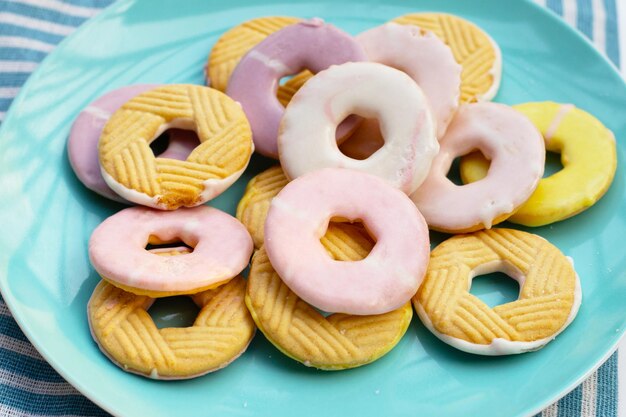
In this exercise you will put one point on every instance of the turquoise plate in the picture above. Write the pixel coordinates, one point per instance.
(48, 216)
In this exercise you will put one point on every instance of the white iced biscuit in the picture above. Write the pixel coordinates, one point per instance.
(307, 141)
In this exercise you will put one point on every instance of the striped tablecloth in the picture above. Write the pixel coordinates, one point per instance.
(29, 29)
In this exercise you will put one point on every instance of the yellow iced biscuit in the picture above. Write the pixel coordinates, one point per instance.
(253, 206)
(473, 49)
(588, 155)
(130, 168)
(125, 332)
(549, 296)
(336, 342)
(235, 43)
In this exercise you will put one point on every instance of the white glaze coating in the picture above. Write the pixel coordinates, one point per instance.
(383, 281)
(500, 346)
(306, 140)
(517, 153)
(423, 57)
(222, 248)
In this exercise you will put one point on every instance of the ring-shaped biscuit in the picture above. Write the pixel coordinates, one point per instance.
(306, 141)
(309, 44)
(236, 42)
(473, 48)
(126, 334)
(517, 155)
(221, 249)
(130, 168)
(549, 297)
(588, 155)
(82, 143)
(390, 274)
(336, 342)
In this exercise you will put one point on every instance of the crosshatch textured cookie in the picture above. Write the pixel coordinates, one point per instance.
(549, 299)
(336, 342)
(478, 54)
(588, 155)
(125, 332)
(130, 168)
(234, 44)
(253, 206)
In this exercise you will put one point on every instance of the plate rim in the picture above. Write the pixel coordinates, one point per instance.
(121, 6)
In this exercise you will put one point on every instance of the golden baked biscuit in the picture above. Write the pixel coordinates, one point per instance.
(549, 297)
(473, 49)
(130, 168)
(234, 44)
(126, 334)
(253, 206)
(589, 158)
(336, 342)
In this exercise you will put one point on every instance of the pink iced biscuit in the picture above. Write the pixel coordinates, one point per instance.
(386, 279)
(221, 249)
(517, 152)
(311, 45)
(425, 58)
(306, 141)
(82, 145)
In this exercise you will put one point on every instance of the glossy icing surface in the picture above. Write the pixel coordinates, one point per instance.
(517, 153)
(310, 44)
(386, 279)
(307, 134)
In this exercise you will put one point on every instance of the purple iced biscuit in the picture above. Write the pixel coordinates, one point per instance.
(82, 145)
(309, 44)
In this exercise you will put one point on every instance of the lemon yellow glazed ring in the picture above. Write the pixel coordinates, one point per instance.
(130, 168)
(125, 332)
(234, 44)
(336, 342)
(549, 298)
(473, 49)
(588, 155)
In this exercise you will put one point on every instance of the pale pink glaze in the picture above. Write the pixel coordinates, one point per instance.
(82, 144)
(517, 153)
(307, 133)
(310, 44)
(222, 248)
(425, 58)
(386, 279)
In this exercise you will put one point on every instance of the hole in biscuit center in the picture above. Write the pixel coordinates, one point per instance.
(175, 144)
(553, 164)
(171, 247)
(495, 288)
(364, 141)
(178, 311)
(347, 240)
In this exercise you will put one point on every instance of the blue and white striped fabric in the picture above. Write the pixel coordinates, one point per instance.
(29, 29)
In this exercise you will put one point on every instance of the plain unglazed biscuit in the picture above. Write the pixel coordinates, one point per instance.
(234, 44)
(549, 298)
(125, 332)
(253, 206)
(336, 342)
(130, 168)
(478, 54)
